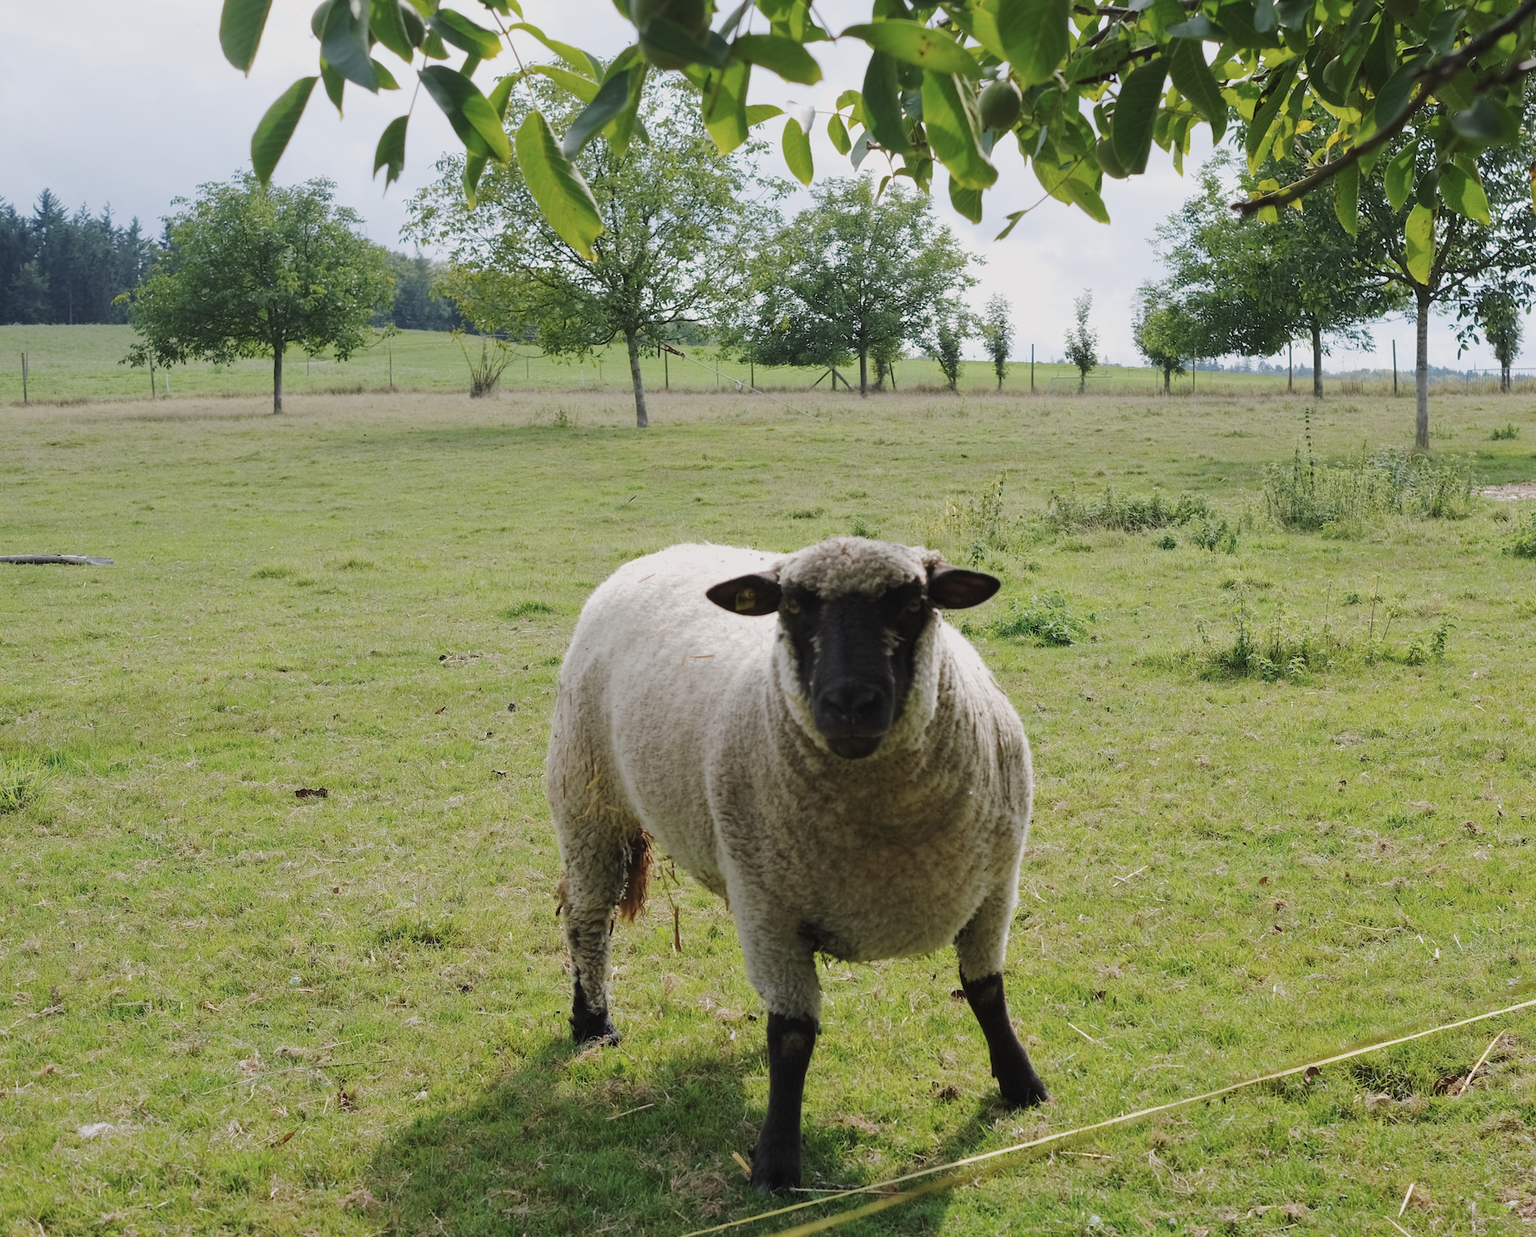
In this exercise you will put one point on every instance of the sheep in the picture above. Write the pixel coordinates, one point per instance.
(849, 778)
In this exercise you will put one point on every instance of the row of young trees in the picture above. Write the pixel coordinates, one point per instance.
(61, 268)
(1320, 275)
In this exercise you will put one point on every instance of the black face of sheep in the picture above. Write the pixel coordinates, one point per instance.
(855, 651)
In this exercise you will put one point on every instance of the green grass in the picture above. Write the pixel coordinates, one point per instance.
(347, 1014)
(69, 364)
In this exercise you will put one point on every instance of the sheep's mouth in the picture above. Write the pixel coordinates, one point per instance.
(854, 746)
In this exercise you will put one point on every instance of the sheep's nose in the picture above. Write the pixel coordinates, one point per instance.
(853, 706)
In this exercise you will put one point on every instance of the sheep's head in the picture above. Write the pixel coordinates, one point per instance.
(854, 610)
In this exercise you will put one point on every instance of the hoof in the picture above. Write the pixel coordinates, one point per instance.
(594, 1029)
(771, 1176)
(1026, 1093)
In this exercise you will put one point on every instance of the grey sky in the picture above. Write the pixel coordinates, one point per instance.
(148, 109)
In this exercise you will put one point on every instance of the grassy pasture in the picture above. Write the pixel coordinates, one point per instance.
(67, 364)
(235, 1010)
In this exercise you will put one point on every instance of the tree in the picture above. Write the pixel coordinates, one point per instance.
(251, 271)
(1082, 339)
(677, 215)
(927, 98)
(1163, 331)
(1256, 285)
(997, 334)
(419, 302)
(1445, 257)
(67, 269)
(948, 336)
(850, 276)
(1498, 310)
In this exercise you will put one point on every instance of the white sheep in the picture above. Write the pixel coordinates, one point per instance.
(850, 778)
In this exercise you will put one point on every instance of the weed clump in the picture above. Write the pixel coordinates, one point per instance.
(420, 933)
(523, 609)
(972, 525)
(1340, 498)
(1129, 513)
(1048, 620)
(1523, 544)
(22, 782)
(1509, 432)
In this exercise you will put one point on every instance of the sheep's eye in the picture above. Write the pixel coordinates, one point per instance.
(914, 605)
(791, 606)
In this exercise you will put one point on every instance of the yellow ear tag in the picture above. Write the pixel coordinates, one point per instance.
(746, 599)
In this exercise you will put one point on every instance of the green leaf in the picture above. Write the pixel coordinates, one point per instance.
(1419, 232)
(1464, 194)
(757, 113)
(582, 62)
(837, 134)
(386, 78)
(501, 96)
(277, 126)
(1035, 36)
(797, 151)
(1487, 120)
(335, 83)
(779, 55)
(882, 105)
(240, 27)
(458, 31)
(949, 119)
(1135, 114)
(344, 43)
(1264, 117)
(468, 111)
(386, 23)
(725, 114)
(1076, 183)
(1196, 82)
(1346, 198)
(474, 165)
(966, 201)
(557, 186)
(1398, 177)
(915, 43)
(584, 88)
(390, 153)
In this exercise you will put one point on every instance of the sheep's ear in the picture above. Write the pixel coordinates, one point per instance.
(955, 588)
(751, 595)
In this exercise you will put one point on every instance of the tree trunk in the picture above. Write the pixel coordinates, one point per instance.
(863, 371)
(1167, 379)
(277, 378)
(633, 340)
(1317, 359)
(1421, 374)
(1504, 378)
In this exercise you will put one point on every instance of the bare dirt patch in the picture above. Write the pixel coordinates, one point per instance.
(1514, 492)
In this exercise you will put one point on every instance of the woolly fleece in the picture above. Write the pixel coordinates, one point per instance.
(685, 721)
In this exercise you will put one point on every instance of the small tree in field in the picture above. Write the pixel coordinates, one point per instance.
(1163, 332)
(1083, 340)
(1498, 316)
(947, 339)
(997, 334)
(251, 270)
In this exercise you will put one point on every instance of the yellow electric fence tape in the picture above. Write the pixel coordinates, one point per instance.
(992, 1159)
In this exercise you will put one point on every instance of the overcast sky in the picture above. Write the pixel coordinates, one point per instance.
(134, 104)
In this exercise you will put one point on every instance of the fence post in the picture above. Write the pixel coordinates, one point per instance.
(1394, 369)
(23, 377)
(1031, 369)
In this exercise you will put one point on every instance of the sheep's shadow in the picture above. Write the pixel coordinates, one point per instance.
(567, 1143)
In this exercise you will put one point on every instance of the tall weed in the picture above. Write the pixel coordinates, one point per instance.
(1046, 619)
(970, 526)
(22, 782)
(1340, 498)
(1130, 513)
(1523, 544)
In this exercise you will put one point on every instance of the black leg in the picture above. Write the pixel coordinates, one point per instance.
(588, 1025)
(1020, 1085)
(776, 1161)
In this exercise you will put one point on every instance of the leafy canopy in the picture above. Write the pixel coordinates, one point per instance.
(1083, 89)
(851, 276)
(253, 269)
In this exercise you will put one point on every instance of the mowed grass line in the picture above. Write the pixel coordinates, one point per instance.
(347, 1014)
(71, 364)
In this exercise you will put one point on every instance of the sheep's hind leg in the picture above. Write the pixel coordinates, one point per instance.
(982, 946)
(599, 870)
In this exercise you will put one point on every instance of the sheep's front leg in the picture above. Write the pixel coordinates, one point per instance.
(982, 946)
(776, 1159)
(782, 967)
